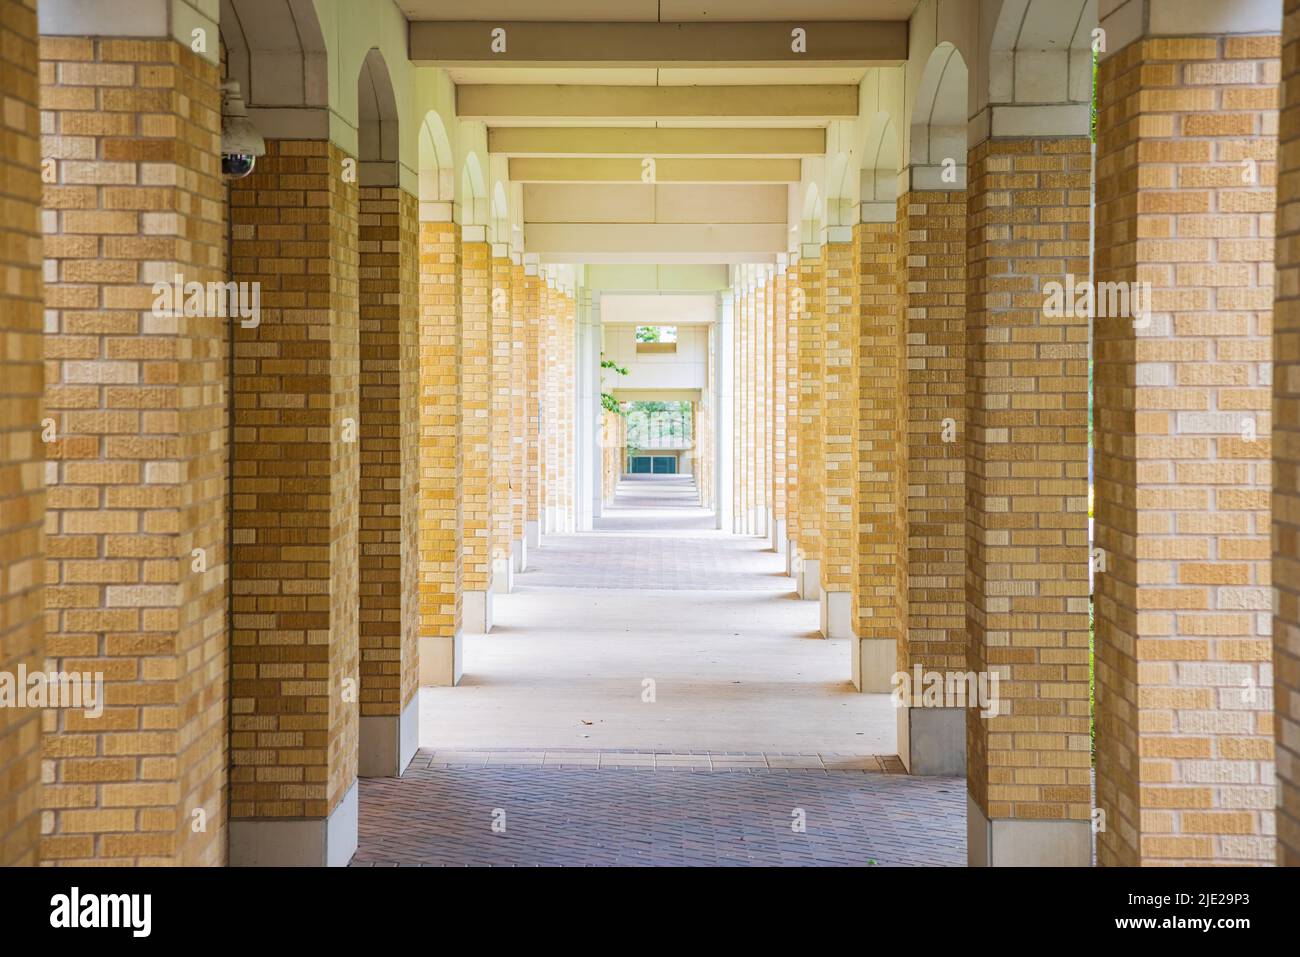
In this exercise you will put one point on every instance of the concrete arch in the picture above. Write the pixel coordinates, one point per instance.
(499, 211)
(473, 199)
(378, 142)
(437, 170)
(276, 51)
(1040, 63)
(881, 163)
(937, 135)
(812, 223)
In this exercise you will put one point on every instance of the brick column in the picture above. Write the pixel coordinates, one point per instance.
(389, 432)
(778, 300)
(932, 275)
(1183, 452)
(135, 518)
(476, 434)
(22, 485)
(441, 465)
(882, 466)
(500, 425)
(1286, 456)
(840, 414)
(534, 286)
(519, 483)
(794, 299)
(812, 472)
(758, 331)
(1026, 504)
(550, 398)
(295, 494)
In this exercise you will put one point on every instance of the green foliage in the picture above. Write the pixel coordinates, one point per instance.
(647, 333)
(607, 400)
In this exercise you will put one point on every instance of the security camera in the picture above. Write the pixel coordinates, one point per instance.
(241, 144)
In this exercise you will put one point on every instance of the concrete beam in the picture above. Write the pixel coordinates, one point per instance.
(655, 242)
(703, 44)
(605, 170)
(575, 141)
(493, 103)
(657, 203)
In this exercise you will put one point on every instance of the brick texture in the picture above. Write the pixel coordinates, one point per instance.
(794, 300)
(22, 488)
(533, 287)
(441, 465)
(1027, 477)
(779, 298)
(812, 477)
(518, 402)
(135, 519)
(502, 409)
(476, 412)
(296, 486)
(841, 365)
(1182, 420)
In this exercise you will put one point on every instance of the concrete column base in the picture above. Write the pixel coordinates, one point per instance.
(837, 614)
(503, 575)
(1004, 842)
(873, 665)
(476, 611)
(533, 533)
(932, 740)
(519, 554)
(779, 539)
(388, 742)
(809, 580)
(320, 842)
(792, 558)
(441, 659)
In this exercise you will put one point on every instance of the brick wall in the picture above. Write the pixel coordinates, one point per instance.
(1286, 457)
(882, 438)
(389, 432)
(794, 297)
(840, 388)
(1027, 475)
(933, 273)
(476, 411)
(136, 478)
(22, 491)
(778, 297)
(1183, 453)
(296, 486)
(762, 438)
(502, 408)
(549, 396)
(533, 286)
(812, 475)
(440, 431)
(518, 402)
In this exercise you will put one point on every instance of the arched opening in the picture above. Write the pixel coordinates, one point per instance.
(937, 144)
(813, 220)
(275, 50)
(878, 177)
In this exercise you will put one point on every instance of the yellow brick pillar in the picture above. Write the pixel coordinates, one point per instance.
(389, 435)
(1286, 460)
(22, 485)
(476, 374)
(441, 467)
(932, 570)
(1182, 419)
(500, 423)
(758, 363)
(882, 467)
(840, 416)
(793, 304)
(1026, 504)
(534, 286)
(519, 483)
(778, 300)
(812, 407)
(136, 462)
(550, 397)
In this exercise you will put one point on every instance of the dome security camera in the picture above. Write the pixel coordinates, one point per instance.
(241, 144)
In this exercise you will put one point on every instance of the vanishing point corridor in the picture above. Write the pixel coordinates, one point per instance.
(653, 692)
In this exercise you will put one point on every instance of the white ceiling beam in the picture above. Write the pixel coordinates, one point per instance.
(618, 170)
(496, 103)
(577, 141)
(655, 242)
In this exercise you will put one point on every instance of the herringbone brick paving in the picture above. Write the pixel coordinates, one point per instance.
(567, 815)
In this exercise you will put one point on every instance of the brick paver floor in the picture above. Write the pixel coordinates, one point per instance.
(556, 812)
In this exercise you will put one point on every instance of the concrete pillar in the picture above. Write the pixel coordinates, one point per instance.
(758, 365)
(519, 474)
(550, 398)
(932, 275)
(725, 369)
(533, 288)
(501, 411)
(568, 432)
(22, 481)
(1182, 422)
(588, 394)
(778, 305)
(595, 494)
(134, 415)
(441, 463)
(840, 414)
(1286, 457)
(812, 406)
(744, 405)
(389, 432)
(794, 300)
(882, 467)
(476, 368)
(1026, 504)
